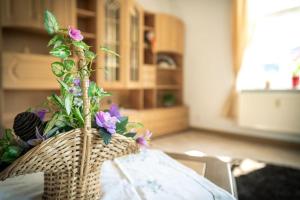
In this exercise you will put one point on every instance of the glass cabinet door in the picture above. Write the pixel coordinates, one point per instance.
(134, 44)
(112, 40)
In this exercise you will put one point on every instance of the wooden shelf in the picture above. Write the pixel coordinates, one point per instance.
(168, 87)
(148, 28)
(171, 70)
(89, 35)
(85, 13)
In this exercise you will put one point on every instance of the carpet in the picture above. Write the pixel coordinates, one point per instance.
(269, 183)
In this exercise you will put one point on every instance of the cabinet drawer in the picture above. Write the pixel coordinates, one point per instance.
(148, 76)
(26, 71)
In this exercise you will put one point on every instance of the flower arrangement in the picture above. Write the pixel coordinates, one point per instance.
(66, 110)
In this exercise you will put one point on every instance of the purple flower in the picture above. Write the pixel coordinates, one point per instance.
(76, 91)
(42, 114)
(114, 111)
(76, 82)
(38, 140)
(105, 120)
(75, 34)
(143, 140)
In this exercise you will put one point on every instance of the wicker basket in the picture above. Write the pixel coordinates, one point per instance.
(72, 161)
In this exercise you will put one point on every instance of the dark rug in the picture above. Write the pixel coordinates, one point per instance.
(270, 183)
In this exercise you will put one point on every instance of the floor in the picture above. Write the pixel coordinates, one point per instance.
(216, 144)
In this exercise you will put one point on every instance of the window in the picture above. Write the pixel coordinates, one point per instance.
(112, 39)
(273, 52)
(134, 45)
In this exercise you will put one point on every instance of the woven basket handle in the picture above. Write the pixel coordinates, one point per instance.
(82, 64)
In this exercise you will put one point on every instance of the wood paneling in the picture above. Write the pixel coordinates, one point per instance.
(169, 34)
(30, 13)
(28, 71)
(161, 120)
(148, 76)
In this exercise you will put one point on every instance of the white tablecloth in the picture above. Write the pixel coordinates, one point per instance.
(149, 175)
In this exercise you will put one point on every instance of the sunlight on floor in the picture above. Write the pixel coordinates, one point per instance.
(247, 166)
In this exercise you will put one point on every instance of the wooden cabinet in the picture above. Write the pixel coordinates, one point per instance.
(27, 71)
(29, 13)
(169, 34)
(110, 74)
(121, 31)
(135, 45)
(161, 121)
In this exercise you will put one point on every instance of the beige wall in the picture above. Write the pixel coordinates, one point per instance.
(208, 64)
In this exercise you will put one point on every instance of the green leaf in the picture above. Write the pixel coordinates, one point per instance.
(69, 64)
(51, 123)
(29, 109)
(50, 23)
(105, 135)
(61, 121)
(56, 41)
(90, 55)
(132, 125)
(62, 51)
(57, 100)
(80, 44)
(130, 134)
(51, 132)
(8, 135)
(68, 103)
(68, 78)
(92, 89)
(78, 116)
(57, 69)
(107, 50)
(121, 125)
(63, 84)
(11, 153)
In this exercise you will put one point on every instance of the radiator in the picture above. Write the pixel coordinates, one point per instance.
(270, 110)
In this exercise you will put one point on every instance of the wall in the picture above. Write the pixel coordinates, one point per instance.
(208, 65)
(164, 6)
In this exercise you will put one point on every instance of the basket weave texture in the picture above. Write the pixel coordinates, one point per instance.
(60, 159)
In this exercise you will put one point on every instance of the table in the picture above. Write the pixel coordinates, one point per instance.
(150, 174)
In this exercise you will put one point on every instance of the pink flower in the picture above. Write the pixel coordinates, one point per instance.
(75, 34)
(143, 140)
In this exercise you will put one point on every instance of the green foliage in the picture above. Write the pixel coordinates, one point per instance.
(134, 125)
(69, 64)
(107, 50)
(68, 78)
(90, 55)
(121, 125)
(50, 23)
(105, 135)
(51, 123)
(56, 41)
(80, 44)
(78, 116)
(57, 101)
(61, 51)
(63, 85)
(57, 69)
(68, 103)
(130, 134)
(9, 148)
